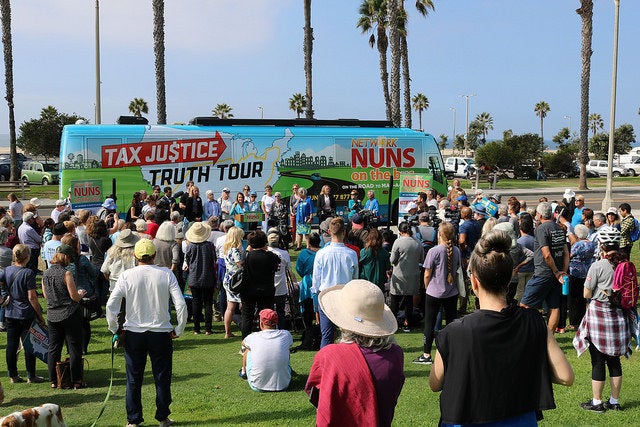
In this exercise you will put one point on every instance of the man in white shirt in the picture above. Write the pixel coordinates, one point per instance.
(265, 362)
(147, 290)
(225, 203)
(60, 207)
(335, 264)
(280, 279)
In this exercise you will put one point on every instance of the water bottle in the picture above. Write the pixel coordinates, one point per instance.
(565, 285)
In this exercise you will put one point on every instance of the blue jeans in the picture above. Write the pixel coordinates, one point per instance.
(15, 329)
(327, 329)
(159, 347)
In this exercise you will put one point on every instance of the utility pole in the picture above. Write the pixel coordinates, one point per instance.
(466, 135)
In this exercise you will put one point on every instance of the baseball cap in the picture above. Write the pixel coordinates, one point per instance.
(424, 216)
(273, 239)
(613, 211)
(253, 193)
(60, 202)
(411, 205)
(65, 249)
(144, 247)
(36, 202)
(226, 190)
(110, 204)
(479, 209)
(462, 198)
(59, 229)
(27, 216)
(269, 317)
(497, 198)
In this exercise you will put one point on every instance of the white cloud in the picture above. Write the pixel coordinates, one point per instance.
(198, 25)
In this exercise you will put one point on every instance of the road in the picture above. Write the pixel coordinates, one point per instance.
(593, 197)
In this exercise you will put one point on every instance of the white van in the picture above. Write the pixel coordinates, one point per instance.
(458, 166)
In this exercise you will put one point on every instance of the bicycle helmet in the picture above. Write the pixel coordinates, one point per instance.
(609, 236)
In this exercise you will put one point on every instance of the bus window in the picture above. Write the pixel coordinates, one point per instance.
(436, 169)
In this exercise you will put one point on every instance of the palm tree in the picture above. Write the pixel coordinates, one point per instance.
(5, 10)
(394, 43)
(423, 7)
(444, 139)
(308, 49)
(373, 18)
(138, 106)
(223, 111)
(486, 124)
(297, 103)
(595, 123)
(420, 103)
(586, 14)
(541, 109)
(158, 50)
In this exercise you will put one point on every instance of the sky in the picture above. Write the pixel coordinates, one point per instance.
(510, 54)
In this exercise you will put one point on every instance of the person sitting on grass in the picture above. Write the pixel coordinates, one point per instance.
(265, 362)
(501, 349)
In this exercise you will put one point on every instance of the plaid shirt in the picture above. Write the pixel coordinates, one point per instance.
(609, 329)
(626, 227)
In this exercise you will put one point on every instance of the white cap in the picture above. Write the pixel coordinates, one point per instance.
(411, 205)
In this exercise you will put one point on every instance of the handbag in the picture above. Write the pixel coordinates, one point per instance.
(90, 307)
(63, 374)
(462, 290)
(237, 282)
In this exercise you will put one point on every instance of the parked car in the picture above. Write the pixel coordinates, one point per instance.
(5, 171)
(601, 168)
(632, 168)
(40, 173)
(458, 166)
(575, 172)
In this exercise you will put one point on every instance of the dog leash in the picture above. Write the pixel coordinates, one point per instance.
(114, 342)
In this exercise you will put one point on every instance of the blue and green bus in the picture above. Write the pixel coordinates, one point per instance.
(217, 153)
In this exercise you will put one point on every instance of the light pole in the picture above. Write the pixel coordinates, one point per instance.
(261, 112)
(569, 117)
(98, 118)
(607, 202)
(453, 140)
(466, 135)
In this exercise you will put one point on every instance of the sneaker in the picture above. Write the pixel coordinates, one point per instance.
(589, 406)
(611, 406)
(406, 329)
(35, 380)
(17, 379)
(242, 375)
(166, 423)
(421, 360)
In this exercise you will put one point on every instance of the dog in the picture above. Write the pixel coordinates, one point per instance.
(47, 415)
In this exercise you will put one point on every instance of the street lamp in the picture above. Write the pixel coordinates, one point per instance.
(569, 117)
(98, 118)
(261, 112)
(453, 140)
(607, 202)
(466, 135)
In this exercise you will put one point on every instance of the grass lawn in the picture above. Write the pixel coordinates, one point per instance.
(206, 389)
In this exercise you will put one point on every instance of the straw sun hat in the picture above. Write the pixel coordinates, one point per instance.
(198, 232)
(358, 307)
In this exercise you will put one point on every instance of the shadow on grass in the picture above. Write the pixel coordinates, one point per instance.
(298, 381)
(270, 417)
(422, 373)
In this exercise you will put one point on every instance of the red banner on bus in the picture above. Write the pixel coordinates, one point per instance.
(161, 152)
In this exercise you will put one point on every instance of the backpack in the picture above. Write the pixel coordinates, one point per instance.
(428, 243)
(635, 232)
(624, 292)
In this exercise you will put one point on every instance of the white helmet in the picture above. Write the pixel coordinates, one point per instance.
(609, 236)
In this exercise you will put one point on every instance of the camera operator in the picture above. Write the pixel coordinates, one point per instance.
(412, 214)
(357, 236)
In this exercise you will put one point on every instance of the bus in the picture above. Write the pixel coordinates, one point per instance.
(218, 153)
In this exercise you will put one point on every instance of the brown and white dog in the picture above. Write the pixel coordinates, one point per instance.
(47, 415)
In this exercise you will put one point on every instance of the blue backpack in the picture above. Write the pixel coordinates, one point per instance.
(635, 232)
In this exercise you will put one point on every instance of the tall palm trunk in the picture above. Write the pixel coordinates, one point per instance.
(308, 49)
(542, 128)
(406, 80)
(158, 49)
(394, 43)
(5, 11)
(586, 13)
(420, 119)
(382, 44)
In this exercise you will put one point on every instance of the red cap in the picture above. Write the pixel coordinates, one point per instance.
(269, 317)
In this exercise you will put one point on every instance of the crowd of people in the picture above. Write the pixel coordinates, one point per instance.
(356, 279)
